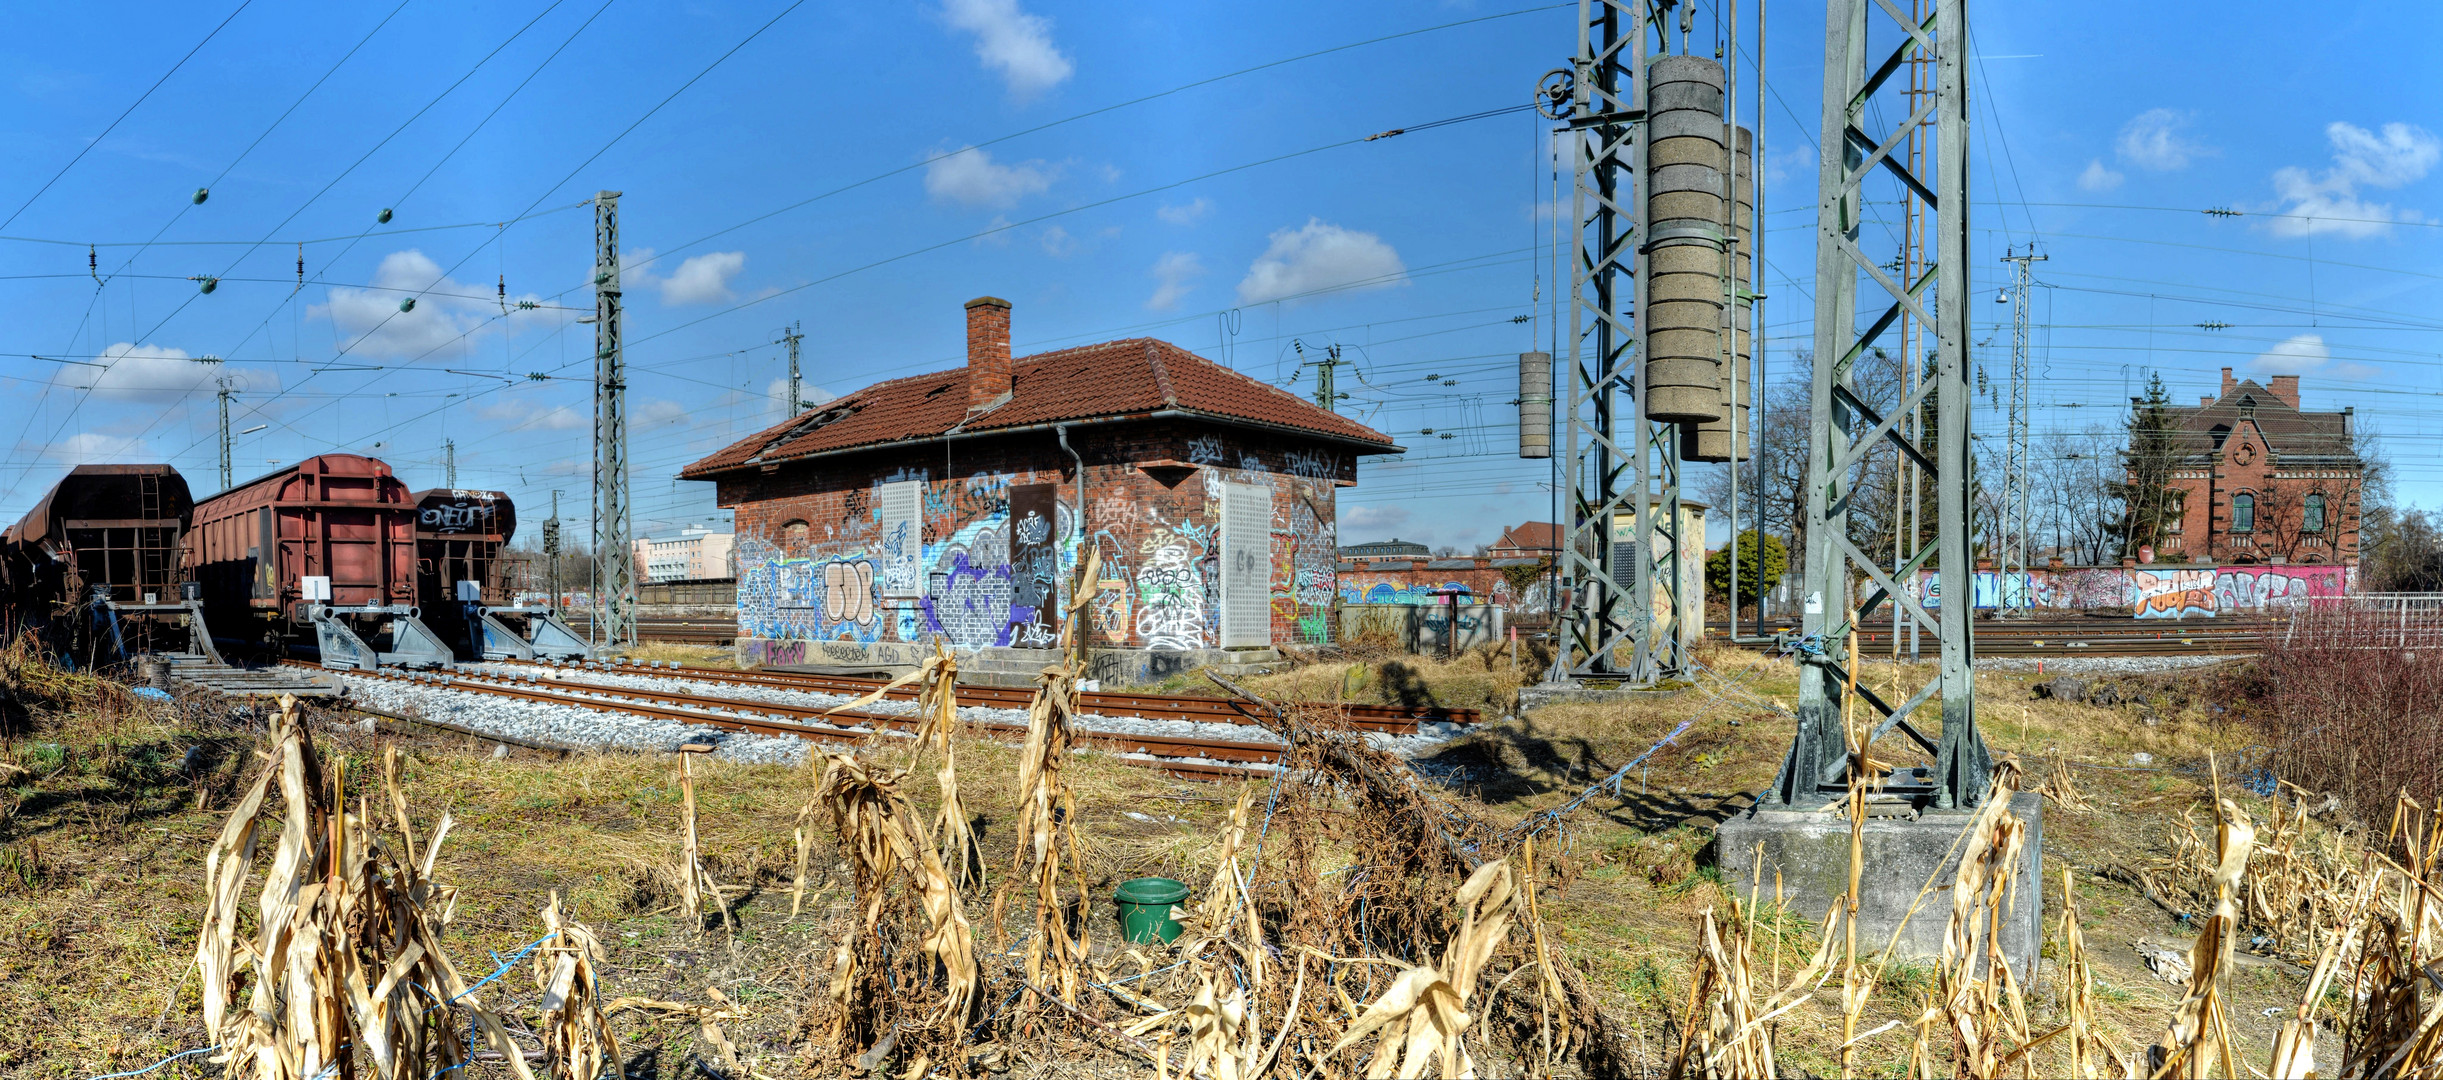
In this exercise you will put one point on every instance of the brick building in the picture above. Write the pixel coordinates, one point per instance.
(953, 506)
(1528, 540)
(2261, 481)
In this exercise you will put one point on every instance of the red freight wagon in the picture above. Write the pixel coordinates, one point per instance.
(94, 567)
(462, 580)
(319, 557)
(459, 537)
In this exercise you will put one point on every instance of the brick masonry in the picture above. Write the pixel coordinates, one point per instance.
(819, 581)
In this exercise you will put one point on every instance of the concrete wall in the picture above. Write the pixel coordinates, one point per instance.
(814, 566)
(2157, 591)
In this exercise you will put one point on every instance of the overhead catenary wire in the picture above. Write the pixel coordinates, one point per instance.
(123, 115)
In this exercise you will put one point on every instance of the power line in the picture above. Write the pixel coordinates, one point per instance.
(131, 108)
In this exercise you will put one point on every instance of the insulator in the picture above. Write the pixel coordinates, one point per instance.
(407, 305)
(382, 218)
(201, 194)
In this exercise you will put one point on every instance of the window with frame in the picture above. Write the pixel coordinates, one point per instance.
(2243, 513)
(2313, 518)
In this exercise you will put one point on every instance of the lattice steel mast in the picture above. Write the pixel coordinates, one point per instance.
(1844, 427)
(2013, 537)
(1608, 603)
(614, 556)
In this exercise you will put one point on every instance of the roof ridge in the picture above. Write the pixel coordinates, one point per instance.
(1162, 372)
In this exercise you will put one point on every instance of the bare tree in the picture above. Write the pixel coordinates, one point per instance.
(1778, 501)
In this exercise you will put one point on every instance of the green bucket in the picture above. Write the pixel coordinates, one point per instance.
(1145, 909)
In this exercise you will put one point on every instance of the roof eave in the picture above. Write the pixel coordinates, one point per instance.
(758, 464)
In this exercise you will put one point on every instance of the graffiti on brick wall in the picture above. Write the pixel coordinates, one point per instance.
(2241, 588)
(1172, 587)
(967, 594)
(2152, 592)
(1393, 588)
(1303, 579)
(1206, 450)
(1034, 568)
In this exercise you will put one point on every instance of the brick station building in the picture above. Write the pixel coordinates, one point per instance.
(955, 506)
(2259, 480)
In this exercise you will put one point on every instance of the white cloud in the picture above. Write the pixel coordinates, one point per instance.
(1384, 519)
(1319, 256)
(703, 279)
(2305, 354)
(659, 411)
(2298, 354)
(2153, 140)
(1013, 43)
(2098, 178)
(447, 317)
(970, 176)
(88, 447)
(2329, 203)
(2403, 154)
(145, 373)
(1188, 214)
(1174, 270)
(1057, 242)
(699, 279)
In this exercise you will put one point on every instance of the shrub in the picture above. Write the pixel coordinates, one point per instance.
(1762, 561)
(2347, 701)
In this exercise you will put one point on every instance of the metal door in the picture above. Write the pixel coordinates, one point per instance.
(1246, 565)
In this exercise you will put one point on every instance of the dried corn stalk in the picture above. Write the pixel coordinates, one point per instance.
(577, 1039)
(1056, 954)
(886, 844)
(1423, 1016)
(348, 956)
(1979, 993)
(2198, 1041)
(2087, 1051)
(696, 884)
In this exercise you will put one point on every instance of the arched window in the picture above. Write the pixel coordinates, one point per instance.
(2314, 520)
(2243, 513)
(793, 537)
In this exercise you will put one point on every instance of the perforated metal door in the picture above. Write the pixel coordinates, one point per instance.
(1246, 565)
(899, 507)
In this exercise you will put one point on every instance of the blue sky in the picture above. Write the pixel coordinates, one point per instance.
(1418, 254)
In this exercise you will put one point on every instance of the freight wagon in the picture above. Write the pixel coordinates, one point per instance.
(462, 585)
(316, 559)
(93, 570)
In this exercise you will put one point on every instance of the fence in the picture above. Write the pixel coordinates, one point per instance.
(1422, 628)
(2369, 621)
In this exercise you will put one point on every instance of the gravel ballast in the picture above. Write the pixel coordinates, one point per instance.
(574, 725)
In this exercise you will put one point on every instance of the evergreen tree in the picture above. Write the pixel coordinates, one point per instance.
(2144, 490)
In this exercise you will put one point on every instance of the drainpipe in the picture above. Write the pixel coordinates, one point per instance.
(1077, 517)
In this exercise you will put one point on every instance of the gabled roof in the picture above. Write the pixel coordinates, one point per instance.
(1531, 536)
(1133, 377)
(2287, 430)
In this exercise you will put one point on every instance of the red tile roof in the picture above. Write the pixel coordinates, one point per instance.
(1115, 378)
(1531, 536)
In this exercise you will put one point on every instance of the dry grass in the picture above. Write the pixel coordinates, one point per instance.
(101, 881)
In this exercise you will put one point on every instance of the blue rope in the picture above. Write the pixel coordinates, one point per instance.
(158, 1064)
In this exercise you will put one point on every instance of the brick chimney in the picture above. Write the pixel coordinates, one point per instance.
(2228, 383)
(988, 381)
(2285, 387)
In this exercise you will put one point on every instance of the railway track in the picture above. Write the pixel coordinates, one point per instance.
(1389, 719)
(1185, 757)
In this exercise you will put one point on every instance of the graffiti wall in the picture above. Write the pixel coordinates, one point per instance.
(987, 560)
(2155, 591)
(1414, 582)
